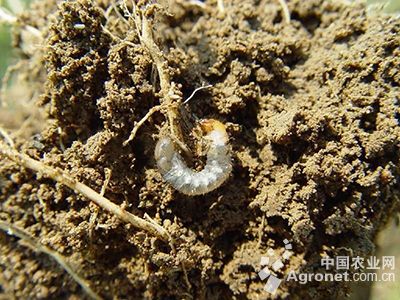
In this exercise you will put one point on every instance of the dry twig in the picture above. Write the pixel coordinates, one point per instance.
(141, 122)
(61, 260)
(170, 94)
(63, 178)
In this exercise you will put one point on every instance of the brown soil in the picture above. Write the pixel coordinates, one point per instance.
(312, 109)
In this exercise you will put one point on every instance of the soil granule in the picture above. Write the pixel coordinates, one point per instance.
(312, 111)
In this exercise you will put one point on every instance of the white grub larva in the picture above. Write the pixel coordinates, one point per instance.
(190, 182)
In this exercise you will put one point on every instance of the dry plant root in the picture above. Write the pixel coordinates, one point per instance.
(170, 94)
(221, 6)
(63, 178)
(61, 260)
(141, 122)
(285, 11)
(187, 181)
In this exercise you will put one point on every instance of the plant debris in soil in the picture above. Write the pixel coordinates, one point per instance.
(312, 111)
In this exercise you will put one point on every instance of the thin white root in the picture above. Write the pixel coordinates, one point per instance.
(221, 6)
(7, 137)
(63, 178)
(121, 17)
(260, 231)
(186, 277)
(285, 11)
(11, 229)
(92, 221)
(34, 31)
(106, 181)
(195, 91)
(197, 3)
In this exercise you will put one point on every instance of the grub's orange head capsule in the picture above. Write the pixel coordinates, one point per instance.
(215, 131)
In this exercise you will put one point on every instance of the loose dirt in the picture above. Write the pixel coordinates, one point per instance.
(312, 111)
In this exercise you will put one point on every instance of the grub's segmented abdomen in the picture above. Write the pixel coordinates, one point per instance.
(187, 181)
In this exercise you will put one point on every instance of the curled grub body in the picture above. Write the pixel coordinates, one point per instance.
(190, 182)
